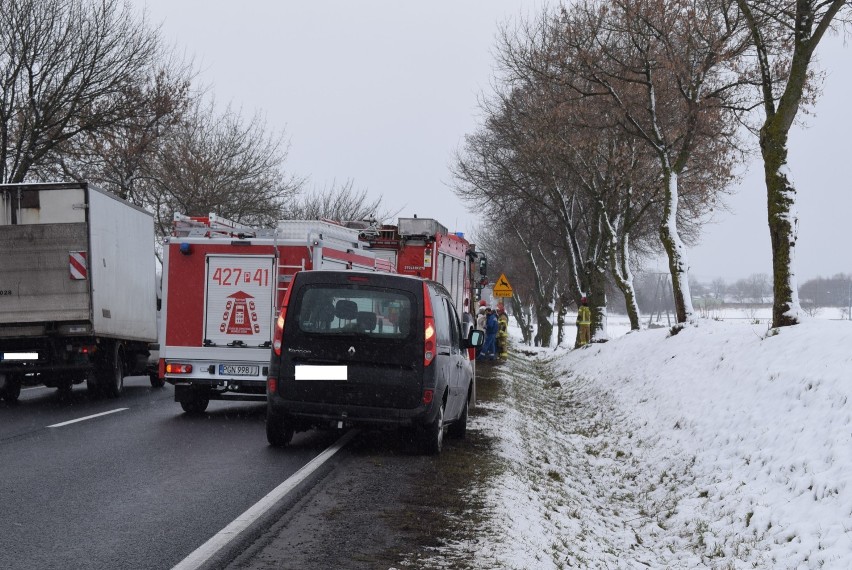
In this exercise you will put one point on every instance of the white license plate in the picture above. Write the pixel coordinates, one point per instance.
(238, 370)
(18, 356)
(307, 372)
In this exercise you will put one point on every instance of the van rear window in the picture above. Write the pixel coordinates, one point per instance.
(380, 313)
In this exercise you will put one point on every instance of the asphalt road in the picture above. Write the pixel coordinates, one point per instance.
(140, 487)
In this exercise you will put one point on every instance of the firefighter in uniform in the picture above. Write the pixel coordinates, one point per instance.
(503, 336)
(584, 322)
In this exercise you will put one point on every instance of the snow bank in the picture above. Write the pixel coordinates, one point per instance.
(724, 446)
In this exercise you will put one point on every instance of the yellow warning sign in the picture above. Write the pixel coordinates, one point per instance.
(502, 287)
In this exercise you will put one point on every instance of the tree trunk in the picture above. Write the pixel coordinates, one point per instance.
(560, 319)
(619, 259)
(676, 250)
(620, 262)
(783, 225)
(597, 304)
(544, 332)
(520, 318)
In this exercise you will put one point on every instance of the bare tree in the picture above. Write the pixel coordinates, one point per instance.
(339, 203)
(719, 288)
(555, 139)
(833, 291)
(663, 63)
(123, 157)
(516, 245)
(785, 35)
(67, 67)
(759, 287)
(500, 171)
(218, 162)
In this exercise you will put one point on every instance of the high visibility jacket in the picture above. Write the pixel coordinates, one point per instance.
(584, 316)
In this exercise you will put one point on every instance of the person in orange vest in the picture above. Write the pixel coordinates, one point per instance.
(584, 322)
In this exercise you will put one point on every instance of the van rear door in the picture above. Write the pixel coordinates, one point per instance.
(354, 342)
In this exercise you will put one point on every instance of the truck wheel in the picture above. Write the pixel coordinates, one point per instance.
(112, 379)
(93, 385)
(432, 435)
(195, 405)
(279, 430)
(11, 388)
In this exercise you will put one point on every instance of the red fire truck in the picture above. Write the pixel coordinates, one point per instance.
(425, 248)
(222, 285)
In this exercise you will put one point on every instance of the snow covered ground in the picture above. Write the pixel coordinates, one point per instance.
(728, 445)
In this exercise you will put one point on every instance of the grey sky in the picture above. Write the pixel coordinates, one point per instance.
(383, 92)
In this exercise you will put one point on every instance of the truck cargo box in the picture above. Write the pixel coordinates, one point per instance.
(77, 288)
(77, 254)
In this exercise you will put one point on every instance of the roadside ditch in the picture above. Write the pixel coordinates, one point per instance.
(384, 506)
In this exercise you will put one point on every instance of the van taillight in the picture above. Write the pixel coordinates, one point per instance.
(279, 332)
(429, 326)
(277, 338)
(271, 385)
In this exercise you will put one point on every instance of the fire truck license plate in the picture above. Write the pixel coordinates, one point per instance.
(238, 370)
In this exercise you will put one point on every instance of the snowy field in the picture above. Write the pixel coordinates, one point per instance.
(726, 446)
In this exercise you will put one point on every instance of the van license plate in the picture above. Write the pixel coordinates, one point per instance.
(238, 370)
(307, 372)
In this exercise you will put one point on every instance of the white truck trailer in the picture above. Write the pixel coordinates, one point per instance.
(77, 288)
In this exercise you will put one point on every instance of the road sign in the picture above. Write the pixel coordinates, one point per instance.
(502, 287)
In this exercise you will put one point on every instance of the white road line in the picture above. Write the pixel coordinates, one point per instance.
(35, 388)
(88, 417)
(206, 551)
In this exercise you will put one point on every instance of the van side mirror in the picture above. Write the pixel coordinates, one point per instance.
(475, 339)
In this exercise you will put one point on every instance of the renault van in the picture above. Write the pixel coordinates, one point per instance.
(375, 349)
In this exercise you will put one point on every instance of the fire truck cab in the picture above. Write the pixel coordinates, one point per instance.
(424, 248)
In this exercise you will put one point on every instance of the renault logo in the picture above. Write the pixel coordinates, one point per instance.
(351, 351)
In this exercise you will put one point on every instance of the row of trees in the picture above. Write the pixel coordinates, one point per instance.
(617, 126)
(755, 288)
(835, 291)
(654, 295)
(89, 91)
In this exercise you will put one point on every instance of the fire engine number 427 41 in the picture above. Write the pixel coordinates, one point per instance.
(235, 276)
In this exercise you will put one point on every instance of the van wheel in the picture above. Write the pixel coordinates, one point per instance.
(279, 430)
(11, 388)
(458, 429)
(432, 436)
(195, 405)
